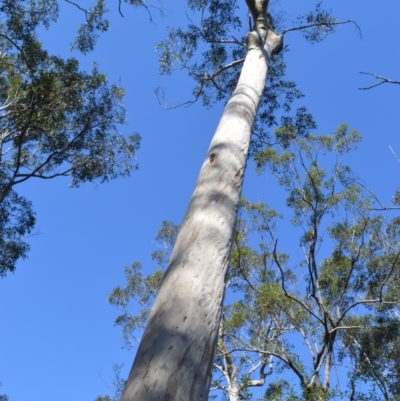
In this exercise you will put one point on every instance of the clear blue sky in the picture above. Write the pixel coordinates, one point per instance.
(57, 340)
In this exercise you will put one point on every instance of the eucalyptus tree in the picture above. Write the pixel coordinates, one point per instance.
(318, 317)
(320, 324)
(55, 120)
(175, 356)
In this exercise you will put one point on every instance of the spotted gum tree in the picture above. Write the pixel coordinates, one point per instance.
(174, 359)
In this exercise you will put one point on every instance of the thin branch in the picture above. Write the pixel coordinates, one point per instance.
(119, 8)
(366, 302)
(47, 161)
(388, 276)
(383, 80)
(284, 286)
(208, 77)
(79, 8)
(303, 334)
(159, 93)
(345, 328)
(284, 359)
(203, 32)
(30, 69)
(353, 263)
(45, 177)
(383, 207)
(395, 155)
(303, 27)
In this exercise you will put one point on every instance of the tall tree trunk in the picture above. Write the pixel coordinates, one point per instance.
(175, 356)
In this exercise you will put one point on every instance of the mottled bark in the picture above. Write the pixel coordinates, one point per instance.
(175, 356)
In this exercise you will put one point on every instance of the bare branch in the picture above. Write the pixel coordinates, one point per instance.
(42, 176)
(303, 27)
(284, 359)
(86, 12)
(119, 8)
(261, 381)
(230, 65)
(383, 80)
(395, 155)
(383, 207)
(366, 302)
(159, 93)
(345, 328)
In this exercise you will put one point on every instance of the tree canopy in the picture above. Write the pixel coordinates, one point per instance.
(315, 327)
(56, 120)
(268, 279)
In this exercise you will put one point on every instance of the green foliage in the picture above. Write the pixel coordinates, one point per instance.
(281, 390)
(17, 219)
(141, 289)
(55, 119)
(95, 24)
(340, 300)
(351, 292)
(322, 23)
(211, 49)
(396, 198)
(238, 318)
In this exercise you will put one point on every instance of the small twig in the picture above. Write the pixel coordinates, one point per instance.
(165, 106)
(397, 157)
(119, 8)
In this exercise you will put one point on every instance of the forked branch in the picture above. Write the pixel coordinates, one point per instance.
(382, 80)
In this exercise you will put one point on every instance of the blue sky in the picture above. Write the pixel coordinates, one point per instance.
(57, 340)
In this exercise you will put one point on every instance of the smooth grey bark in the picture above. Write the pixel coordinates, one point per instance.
(174, 359)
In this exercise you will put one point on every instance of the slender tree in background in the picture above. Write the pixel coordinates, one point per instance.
(175, 357)
(323, 324)
(55, 119)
